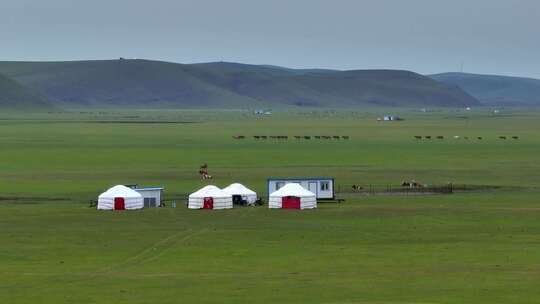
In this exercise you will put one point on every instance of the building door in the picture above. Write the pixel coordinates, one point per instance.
(313, 188)
(119, 203)
(208, 203)
(237, 200)
(290, 202)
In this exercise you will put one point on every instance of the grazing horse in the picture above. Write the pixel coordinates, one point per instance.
(502, 137)
(428, 137)
(515, 137)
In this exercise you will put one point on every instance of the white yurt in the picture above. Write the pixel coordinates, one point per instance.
(120, 198)
(241, 193)
(210, 197)
(292, 196)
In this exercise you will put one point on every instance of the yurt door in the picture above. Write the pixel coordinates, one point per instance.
(208, 203)
(237, 199)
(119, 203)
(290, 202)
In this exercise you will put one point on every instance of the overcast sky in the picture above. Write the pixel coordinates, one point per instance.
(426, 36)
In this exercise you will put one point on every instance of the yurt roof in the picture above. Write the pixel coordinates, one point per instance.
(209, 191)
(238, 189)
(120, 191)
(292, 189)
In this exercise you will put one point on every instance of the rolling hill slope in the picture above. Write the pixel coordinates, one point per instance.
(15, 96)
(155, 84)
(495, 90)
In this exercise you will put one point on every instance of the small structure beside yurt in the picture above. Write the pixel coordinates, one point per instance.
(241, 195)
(120, 198)
(210, 197)
(292, 196)
(151, 195)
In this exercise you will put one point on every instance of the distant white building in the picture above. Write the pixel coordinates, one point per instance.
(262, 112)
(322, 187)
(391, 118)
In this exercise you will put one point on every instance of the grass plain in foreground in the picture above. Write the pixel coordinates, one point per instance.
(478, 247)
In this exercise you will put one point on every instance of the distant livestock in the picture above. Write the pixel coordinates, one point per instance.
(418, 137)
(515, 137)
(502, 137)
(440, 137)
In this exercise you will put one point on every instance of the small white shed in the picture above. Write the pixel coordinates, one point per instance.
(151, 195)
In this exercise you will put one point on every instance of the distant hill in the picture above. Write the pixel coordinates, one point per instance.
(156, 84)
(495, 90)
(15, 96)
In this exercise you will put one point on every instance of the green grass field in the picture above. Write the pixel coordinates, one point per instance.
(468, 247)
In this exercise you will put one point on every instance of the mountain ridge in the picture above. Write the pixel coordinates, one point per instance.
(140, 83)
(15, 96)
(495, 90)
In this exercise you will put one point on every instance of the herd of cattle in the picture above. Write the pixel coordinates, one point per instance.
(285, 137)
(419, 137)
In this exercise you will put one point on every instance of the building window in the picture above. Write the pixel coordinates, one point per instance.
(325, 186)
(279, 185)
(149, 202)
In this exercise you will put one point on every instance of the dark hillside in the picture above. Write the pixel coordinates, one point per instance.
(156, 84)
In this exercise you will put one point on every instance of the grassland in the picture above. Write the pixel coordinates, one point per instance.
(478, 247)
